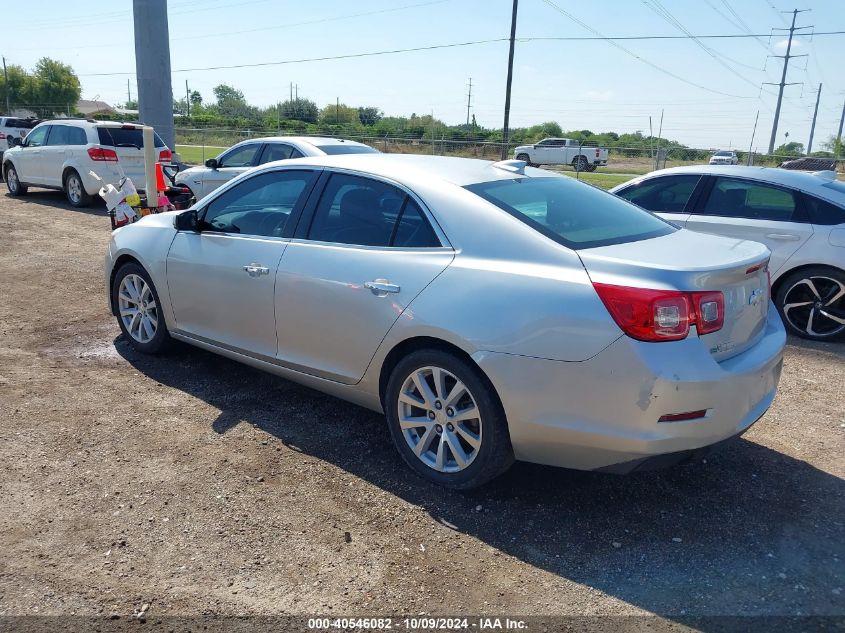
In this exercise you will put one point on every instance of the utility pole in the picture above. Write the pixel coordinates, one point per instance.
(152, 67)
(469, 99)
(291, 91)
(9, 110)
(337, 112)
(505, 129)
(128, 93)
(813, 126)
(188, 98)
(296, 91)
(753, 132)
(839, 133)
(783, 83)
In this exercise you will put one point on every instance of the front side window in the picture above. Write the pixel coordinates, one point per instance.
(750, 200)
(77, 136)
(260, 206)
(365, 212)
(667, 194)
(572, 213)
(240, 156)
(36, 137)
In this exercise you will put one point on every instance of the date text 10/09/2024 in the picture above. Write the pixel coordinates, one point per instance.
(417, 623)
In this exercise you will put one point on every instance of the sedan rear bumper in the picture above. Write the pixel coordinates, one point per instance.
(603, 413)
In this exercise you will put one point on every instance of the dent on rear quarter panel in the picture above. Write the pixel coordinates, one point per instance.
(543, 311)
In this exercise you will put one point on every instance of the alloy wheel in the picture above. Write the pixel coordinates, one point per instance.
(12, 180)
(74, 188)
(816, 305)
(439, 419)
(137, 308)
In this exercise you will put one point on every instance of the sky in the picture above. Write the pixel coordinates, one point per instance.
(707, 90)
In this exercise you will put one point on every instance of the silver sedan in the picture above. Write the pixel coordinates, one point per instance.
(493, 312)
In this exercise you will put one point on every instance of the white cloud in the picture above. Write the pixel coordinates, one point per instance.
(783, 43)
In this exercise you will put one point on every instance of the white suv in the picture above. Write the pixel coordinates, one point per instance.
(12, 128)
(60, 154)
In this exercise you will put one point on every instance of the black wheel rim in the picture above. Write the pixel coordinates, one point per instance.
(815, 306)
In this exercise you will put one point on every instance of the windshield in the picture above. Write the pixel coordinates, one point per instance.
(124, 137)
(331, 150)
(572, 213)
(723, 153)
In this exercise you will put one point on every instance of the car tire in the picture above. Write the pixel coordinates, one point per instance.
(590, 167)
(477, 434)
(527, 159)
(579, 163)
(138, 309)
(75, 190)
(13, 183)
(811, 300)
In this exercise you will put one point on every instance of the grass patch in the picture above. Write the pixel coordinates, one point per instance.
(197, 155)
(605, 181)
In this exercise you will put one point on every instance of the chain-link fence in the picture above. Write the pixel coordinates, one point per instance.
(197, 144)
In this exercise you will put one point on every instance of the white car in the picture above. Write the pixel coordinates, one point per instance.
(14, 128)
(724, 157)
(61, 154)
(200, 181)
(799, 216)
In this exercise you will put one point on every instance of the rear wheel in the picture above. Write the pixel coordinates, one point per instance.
(590, 167)
(446, 420)
(75, 190)
(812, 303)
(13, 183)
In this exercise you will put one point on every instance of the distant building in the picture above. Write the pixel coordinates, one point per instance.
(90, 108)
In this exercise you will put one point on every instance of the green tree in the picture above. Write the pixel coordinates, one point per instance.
(300, 110)
(57, 85)
(793, 148)
(196, 98)
(339, 114)
(226, 94)
(369, 115)
(18, 79)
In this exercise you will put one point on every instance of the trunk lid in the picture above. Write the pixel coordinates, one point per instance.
(693, 262)
(128, 142)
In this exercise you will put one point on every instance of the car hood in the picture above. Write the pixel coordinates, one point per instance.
(191, 171)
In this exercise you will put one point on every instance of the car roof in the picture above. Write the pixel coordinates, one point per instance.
(311, 140)
(410, 168)
(817, 183)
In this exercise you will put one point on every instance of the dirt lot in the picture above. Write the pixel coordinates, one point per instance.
(200, 486)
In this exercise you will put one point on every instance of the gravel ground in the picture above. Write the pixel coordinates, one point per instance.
(195, 485)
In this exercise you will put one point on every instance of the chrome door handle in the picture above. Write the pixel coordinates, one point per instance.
(381, 286)
(786, 237)
(256, 270)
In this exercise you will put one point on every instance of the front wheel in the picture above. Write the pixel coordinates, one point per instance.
(13, 182)
(446, 421)
(75, 190)
(138, 310)
(812, 303)
(579, 163)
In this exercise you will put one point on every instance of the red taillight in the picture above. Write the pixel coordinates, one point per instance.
(709, 311)
(597, 152)
(662, 315)
(101, 154)
(165, 156)
(2, 135)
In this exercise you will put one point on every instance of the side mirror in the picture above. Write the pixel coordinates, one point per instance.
(16, 141)
(187, 221)
(212, 163)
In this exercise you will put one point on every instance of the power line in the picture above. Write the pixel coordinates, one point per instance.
(632, 54)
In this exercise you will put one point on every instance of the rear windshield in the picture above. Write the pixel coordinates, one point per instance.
(723, 153)
(22, 123)
(125, 137)
(331, 150)
(572, 213)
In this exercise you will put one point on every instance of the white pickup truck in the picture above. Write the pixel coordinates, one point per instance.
(562, 151)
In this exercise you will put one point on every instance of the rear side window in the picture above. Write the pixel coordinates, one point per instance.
(58, 135)
(365, 212)
(823, 212)
(750, 200)
(275, 151)
(572, 213)
(668, 194)
(124, 137)
(341, 148)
